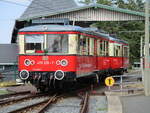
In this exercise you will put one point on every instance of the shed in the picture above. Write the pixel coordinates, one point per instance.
(77, 12)
(8, 56)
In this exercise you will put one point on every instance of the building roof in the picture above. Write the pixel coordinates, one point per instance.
(44, 8)
(8, 54)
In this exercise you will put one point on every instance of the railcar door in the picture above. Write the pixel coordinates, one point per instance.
(116, 61)
(125, 56)
(103, 59)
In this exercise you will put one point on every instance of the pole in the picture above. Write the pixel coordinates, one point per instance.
(147, 66)
(141, 52)
(73, 23)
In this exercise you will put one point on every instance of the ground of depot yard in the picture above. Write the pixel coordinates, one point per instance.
(113, 102)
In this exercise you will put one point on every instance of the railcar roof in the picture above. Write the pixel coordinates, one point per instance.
(53, 28)
(117, 40)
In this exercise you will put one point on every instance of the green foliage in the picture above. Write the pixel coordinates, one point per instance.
(136, 5)
(2, 92)
(87, 1)
(105, 2)
(131, 31)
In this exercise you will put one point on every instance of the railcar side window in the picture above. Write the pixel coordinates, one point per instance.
(57, 43)
(83, 45)
(34, 42)
(104, 48)
(92, 46)
(101, 47)
(125, 52)
(118, 51)
(98, 47)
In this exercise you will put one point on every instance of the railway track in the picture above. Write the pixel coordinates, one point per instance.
(11, 95)
(17, 103)
(49, 104)
(84, 107)
(40, 107)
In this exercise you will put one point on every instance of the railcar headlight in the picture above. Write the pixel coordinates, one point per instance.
(59, 75)
(58, 62)
(27, 62)
(64, 62)
(24, 74)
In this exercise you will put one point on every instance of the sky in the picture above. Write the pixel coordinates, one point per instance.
(10, 10)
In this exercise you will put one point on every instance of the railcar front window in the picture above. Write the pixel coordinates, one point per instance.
(57, 43)
(34, 43)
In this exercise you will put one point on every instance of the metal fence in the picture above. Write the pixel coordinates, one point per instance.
(10, 74)
(126, 83)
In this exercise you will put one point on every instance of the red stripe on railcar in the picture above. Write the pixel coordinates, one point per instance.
(86, 64)
(105, 62)
(47, 63)
(116, 62)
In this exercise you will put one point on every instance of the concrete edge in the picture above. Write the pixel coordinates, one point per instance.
(114, 104)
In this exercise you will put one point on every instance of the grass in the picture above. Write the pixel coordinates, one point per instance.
(2, 92)
(102, 109)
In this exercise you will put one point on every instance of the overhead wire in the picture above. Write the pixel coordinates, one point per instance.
(36, 3)
(15, 3)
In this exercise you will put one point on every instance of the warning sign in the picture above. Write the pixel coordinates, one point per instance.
(109, 81)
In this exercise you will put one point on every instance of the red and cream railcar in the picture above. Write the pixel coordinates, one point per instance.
(50, 53)
(112, 58)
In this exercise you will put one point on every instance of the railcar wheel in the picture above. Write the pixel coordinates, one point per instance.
(121, 72)
(41, 89)
(102, 77)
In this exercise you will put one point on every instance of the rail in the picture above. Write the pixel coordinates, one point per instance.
(13, 94)
(44, 103)
(84, 107)
(3, 103)
(51, 100)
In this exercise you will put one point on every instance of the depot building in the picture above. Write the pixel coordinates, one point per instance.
(8, 56)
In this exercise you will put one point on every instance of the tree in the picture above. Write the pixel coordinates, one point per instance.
(122, 29)
(105, 2)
